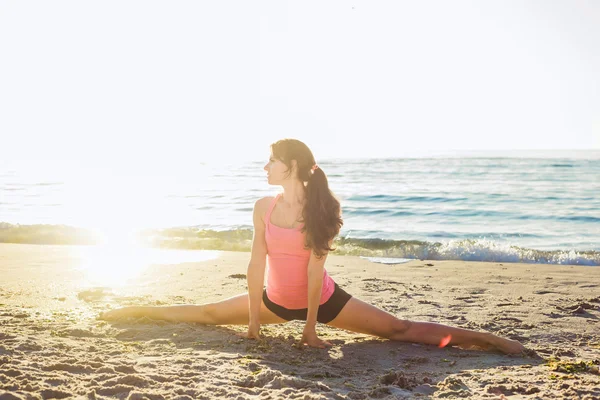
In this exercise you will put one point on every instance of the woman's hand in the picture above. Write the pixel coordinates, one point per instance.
(310, 338)
(252, 333)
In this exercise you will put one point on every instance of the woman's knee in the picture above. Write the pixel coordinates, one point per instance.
(399, 328)
(208, 314)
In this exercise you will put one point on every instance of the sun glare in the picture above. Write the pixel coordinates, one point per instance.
(121, 260)
(111, 265)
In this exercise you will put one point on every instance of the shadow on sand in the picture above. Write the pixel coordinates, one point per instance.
(382, 367)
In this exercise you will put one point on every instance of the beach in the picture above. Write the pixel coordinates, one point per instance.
(52, 345)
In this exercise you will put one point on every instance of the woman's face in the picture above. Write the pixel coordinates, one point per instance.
(277, 171)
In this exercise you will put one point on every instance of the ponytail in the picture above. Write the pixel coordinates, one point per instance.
(321, 213)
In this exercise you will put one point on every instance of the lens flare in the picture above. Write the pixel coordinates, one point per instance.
(445, 340)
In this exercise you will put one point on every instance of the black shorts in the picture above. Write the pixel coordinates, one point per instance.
(327, 311)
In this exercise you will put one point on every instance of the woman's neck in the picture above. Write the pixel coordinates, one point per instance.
(293, 194)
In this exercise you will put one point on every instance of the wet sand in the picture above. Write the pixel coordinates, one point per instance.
(53, 346)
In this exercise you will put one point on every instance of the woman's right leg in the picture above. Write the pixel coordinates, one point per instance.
(358, 316)
(232, 311)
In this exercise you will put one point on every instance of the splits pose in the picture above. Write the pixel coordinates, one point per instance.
(294, 231)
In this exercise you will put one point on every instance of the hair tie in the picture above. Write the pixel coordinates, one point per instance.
(315, 167)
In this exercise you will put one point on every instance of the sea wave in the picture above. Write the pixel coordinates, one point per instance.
(47, 234)
(400, 199)
(196, 238)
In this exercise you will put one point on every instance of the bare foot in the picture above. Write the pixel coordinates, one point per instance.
(507, 346)
(117, 313)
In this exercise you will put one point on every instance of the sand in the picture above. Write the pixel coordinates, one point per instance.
(53, 346)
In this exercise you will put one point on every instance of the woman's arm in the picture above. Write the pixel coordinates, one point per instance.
(256, 268)
(316, 266)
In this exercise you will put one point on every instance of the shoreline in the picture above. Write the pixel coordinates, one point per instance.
(346, 251)
(52, 343)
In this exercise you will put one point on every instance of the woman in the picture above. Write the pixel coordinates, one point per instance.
(295, 231)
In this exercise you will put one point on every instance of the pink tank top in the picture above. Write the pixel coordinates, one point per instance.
(287, 260)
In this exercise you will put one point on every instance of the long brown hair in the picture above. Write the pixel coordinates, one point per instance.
(321, 212)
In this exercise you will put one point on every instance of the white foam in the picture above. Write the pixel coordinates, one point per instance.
(489, 250)
(387, 260)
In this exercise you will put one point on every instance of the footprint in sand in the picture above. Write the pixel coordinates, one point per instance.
(95, 294)
(136, 381)
(503, 318)
(554, 315)
(503, 390)
(453, 387)
(380, 285)
(433, 303)
(545, 292)
(478, 291)
(579, 308)
(467, 299)
(72, 368)
(76, 332)
(400, 379)
(276, 380)
(54, 394)
(28, 345)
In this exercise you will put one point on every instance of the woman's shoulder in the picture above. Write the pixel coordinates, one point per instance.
(262, 205)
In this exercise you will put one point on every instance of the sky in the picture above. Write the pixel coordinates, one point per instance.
(157, 83)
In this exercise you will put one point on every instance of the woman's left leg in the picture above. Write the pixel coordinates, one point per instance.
(361, 317)
(231, 311)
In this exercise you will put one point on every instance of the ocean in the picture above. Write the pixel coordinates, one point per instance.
(532, 207)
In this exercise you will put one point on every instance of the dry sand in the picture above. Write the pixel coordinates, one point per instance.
(53, 346)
